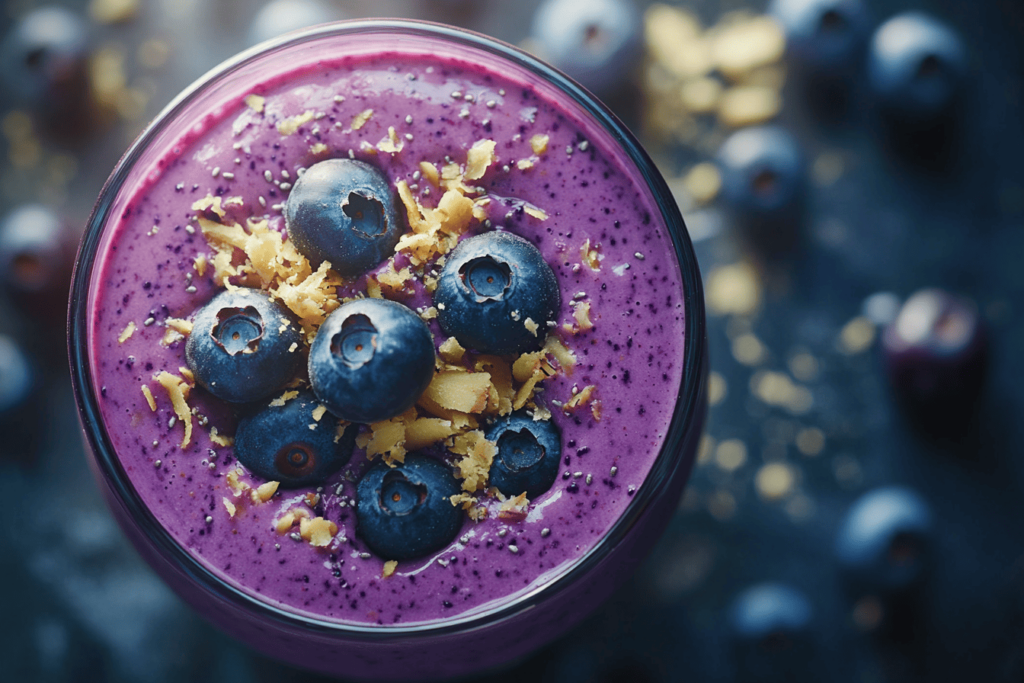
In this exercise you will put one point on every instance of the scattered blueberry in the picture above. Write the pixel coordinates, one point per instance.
(823, 35)
(405, 511)
(763, 183)
(883, 542)
(277, 443)
(36, 259)
(282, 16)
(343, 211)
(243, 346)
(917, 67)
(489, 287)
(527, 457)
(936, 356)
(772, 631)
(596, 42)
(371, 360)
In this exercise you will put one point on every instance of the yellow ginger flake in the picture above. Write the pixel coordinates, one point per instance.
(255, 102)
(389, 568)
(425, 431)
(318, 532)
(501, 383)
(373, 289)
(451, 350)
(171, 336)
(590, 256)
(531, 326)
(475, 465)
(465, 392)
(237, 486)
(288, 519)
(360, 119)
(392, 144)
(311, 298)
(514, 508)
(524, 164)
(385, 438)
(293, 123)
(200, 263)
(539, 214)
(394, 283)
(127, 332)
(187, 374)
(180, 325)
(580, 398)
(220, 439)
(177, 391)
(429, 314)
(318, 149)
(477, 513)
(264, 492)
(430, 173)
(149, 397)
(230, 507)
(283, 398)
(318, 412)
(210, 202)
(463, 499)
(479, 157)
(566, 358)
(539, 143)
(581, 312)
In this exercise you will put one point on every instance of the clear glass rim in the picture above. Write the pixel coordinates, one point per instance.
(686, 415)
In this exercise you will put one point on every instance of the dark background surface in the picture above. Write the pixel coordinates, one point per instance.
(77, 604)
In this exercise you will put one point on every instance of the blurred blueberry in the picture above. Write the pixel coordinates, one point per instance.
(917, 67)
(276, 442)
(343, 211)
(528, 454)
(763, 184)
(823, 35)
(371, 360)
(281, 16)
(883, 542)
(490, 286)
(405, 511)
(596, 42)
(244, 346)
(36, 259)
(772, 632)
(936, 356)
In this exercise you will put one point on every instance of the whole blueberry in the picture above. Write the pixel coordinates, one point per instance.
(883, 542)
(36, 259)
(289, 444)
(371, 360)
(343, 211)
(596, 42)
(823, 35)
(490, 286)
(917, 67)
(244, 346)
(528, 454)
(282, 16)
(936, 355)
(772, 632)
(405, 512)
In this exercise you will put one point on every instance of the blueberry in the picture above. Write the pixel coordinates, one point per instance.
(371, 360)
(917, 67)
(36, 259)
(277, 444)
(883, 542)
(343, 211)
(823, 35)
(936, 356)
(527, 457)
(243, 346)
(763, 183)
(405, 511)
(489, 287)
(596, 42)
(772, 631)
(282, 16)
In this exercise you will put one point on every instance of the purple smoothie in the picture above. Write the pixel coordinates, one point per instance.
(439, 101)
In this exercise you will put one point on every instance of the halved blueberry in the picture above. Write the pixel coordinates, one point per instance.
(823, 34)
(36, 260)
(883, 543)
(371, 360)
(917, 67)
(772, 633)
(243, 346)
(490, 286)
(343, 211)
(289, 444)
(405, 512)
(528, 454)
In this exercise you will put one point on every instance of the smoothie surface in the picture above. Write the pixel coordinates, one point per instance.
(577, 197)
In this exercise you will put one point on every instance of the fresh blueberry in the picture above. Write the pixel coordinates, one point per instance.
(763, 183)
(772, 632)
(823, 35)
(244, 346)
(936, 356)
(278, 444)
(405, 511)
(917, 67)
(343, 211)
(371, 360)
(596, 42)
(36, 259)
(883, 542)
(490, 286)
(527, 457)
(282, 16)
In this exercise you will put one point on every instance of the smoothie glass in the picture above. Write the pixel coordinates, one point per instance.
(493, 633)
